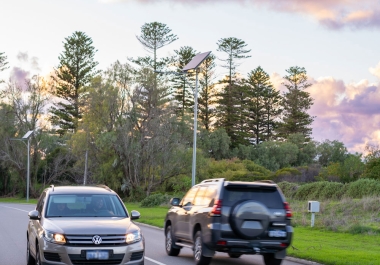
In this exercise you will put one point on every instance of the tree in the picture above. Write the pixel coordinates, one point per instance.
(307, 150)
(183, 83)
(296, 103)
(3, 64)
(262, 106)
(235, 49)
(26, 105)
(372, 162)
(207, 93)
(154, 36)
(331, 152)
(73, 74)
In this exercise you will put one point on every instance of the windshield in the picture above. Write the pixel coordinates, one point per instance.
(85, 205)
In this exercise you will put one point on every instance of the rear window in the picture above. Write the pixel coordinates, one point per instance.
(271, 198)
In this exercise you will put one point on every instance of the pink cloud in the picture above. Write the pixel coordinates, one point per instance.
(349, 113)
(333, 14)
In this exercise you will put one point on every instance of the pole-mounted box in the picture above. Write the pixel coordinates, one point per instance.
(313, 207)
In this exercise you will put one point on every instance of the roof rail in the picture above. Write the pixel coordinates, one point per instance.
(104, 187)
(266, 181)
(52, 186)
(212, 180)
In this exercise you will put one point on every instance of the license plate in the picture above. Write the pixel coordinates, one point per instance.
(97, 254)
(277, 233)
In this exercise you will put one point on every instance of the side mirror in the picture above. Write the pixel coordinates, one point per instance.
(175, 201)
(34, 215)
(135, 215)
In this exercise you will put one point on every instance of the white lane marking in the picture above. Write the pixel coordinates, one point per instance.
(14, 208)
(154, 261)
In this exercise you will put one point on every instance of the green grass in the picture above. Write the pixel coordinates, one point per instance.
(153, 215)
(320, 244)
(18, 200)
(335, 248)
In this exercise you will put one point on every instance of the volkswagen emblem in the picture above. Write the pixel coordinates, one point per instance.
(96, 240)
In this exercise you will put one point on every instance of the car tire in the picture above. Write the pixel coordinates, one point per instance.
(198, 250)
(38, 257)
(235, 256)
(169, 243)
(29, 258)
(269, 259)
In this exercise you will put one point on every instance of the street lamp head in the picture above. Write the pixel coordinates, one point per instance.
(196, 61)
(27, 135)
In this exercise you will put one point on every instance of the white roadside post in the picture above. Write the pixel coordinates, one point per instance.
(313, 207)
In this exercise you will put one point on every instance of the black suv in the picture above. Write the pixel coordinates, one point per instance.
(230, 216)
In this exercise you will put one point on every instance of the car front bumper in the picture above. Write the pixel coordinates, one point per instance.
(55, 254)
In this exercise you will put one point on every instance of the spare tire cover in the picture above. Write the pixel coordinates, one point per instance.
(249, 219)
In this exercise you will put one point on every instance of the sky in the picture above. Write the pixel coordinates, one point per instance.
(336, 41)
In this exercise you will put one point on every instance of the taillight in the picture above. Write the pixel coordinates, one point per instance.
(288, 211)
(217, 208)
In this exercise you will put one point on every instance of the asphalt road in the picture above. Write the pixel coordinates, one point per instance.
(14, 221)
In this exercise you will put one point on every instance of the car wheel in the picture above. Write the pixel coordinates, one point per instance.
(29, 258)
(169, 243)
(269, 259)
(38, 257)
(235, 256)
(198, 250)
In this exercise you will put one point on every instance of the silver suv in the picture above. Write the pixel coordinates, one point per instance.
(238, 218)
(83, 225)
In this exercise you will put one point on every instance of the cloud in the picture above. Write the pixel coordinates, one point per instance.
(333, 14)
(34, 64)
(19, 76)
(375, 70)
(23, 57)
(349, 113)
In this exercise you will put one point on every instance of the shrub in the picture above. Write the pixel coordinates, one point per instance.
(289, 189)
(322, 190)
(155, 200)
(363, 188)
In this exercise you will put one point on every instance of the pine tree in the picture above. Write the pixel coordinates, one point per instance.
(183, 84)
(227, 116)
(3, 63)
(154, 36)
(296, 103)
(74, 72)
(263, 105)
(207, 93)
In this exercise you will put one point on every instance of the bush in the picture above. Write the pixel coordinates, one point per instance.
(363, 188)
(289, 189)
(322, 190)
(155, 200)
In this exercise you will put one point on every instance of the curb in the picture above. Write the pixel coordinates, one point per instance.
(301, 261)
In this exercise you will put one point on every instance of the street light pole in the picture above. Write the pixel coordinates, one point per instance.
(195, 129)
(26, 137)
(194, 65)
(28, 172)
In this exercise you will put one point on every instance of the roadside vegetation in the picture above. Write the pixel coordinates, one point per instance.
(130, 127)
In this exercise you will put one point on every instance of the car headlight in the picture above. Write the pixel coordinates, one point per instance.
(54, 237)
(133, 237)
